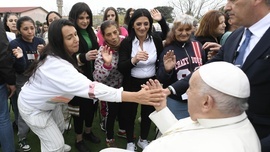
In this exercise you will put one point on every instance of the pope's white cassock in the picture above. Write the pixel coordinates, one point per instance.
(234, 134)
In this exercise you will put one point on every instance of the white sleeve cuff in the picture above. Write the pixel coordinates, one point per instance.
(164, 119)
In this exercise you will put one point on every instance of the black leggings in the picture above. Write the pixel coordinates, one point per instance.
(130, 111)
(87, 111)
(115, 110)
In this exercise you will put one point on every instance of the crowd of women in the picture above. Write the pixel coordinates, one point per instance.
(56, 70)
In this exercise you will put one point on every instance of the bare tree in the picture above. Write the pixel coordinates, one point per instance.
(102, 11)
(121, 10)
(195, 8)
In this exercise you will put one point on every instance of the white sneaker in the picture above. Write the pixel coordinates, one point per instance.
(131, 146)
(24, 146)
(67, 148)
(142, 143)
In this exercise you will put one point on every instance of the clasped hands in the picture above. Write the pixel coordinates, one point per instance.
(140, 56)
(18, 52)
(154, 94)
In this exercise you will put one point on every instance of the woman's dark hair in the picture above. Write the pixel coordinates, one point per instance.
(78, 9)
(139, 13)
(47, 17)
(6, 16)
(127, 16)
(24, 19)
(107, 24)
(55, 47)
(115, 12)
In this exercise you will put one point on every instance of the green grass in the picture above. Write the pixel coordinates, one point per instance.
(70, 137)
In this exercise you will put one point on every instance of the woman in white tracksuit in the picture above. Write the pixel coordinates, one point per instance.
(55, 78)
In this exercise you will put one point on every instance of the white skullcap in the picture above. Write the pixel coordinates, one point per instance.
(226, 78)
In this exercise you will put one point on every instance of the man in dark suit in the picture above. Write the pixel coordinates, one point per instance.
(255, 16)
(256, 63)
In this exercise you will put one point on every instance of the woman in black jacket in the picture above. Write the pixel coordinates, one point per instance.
(138, 56)
(81, 15)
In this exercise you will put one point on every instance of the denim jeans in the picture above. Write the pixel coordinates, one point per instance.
(6, 130)
(179, 109)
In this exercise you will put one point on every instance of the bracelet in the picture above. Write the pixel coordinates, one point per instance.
(78, 60)
(170, 89)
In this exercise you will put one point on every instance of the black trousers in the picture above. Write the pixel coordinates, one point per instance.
(87, 111)
(114, 111)
(130, 111)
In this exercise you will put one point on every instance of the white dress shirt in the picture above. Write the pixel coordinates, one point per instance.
(258, 29)
(144, 69)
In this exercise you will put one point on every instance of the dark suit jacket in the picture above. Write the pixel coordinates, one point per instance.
(7, 73)
(257, 69)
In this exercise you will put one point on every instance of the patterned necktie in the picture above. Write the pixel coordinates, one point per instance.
(240, 58)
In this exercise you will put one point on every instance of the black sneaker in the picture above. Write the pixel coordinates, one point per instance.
(91, 137)
(24, 145)
(81, 146)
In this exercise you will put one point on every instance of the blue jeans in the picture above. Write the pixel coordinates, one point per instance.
(179, 109)
(6, 130)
